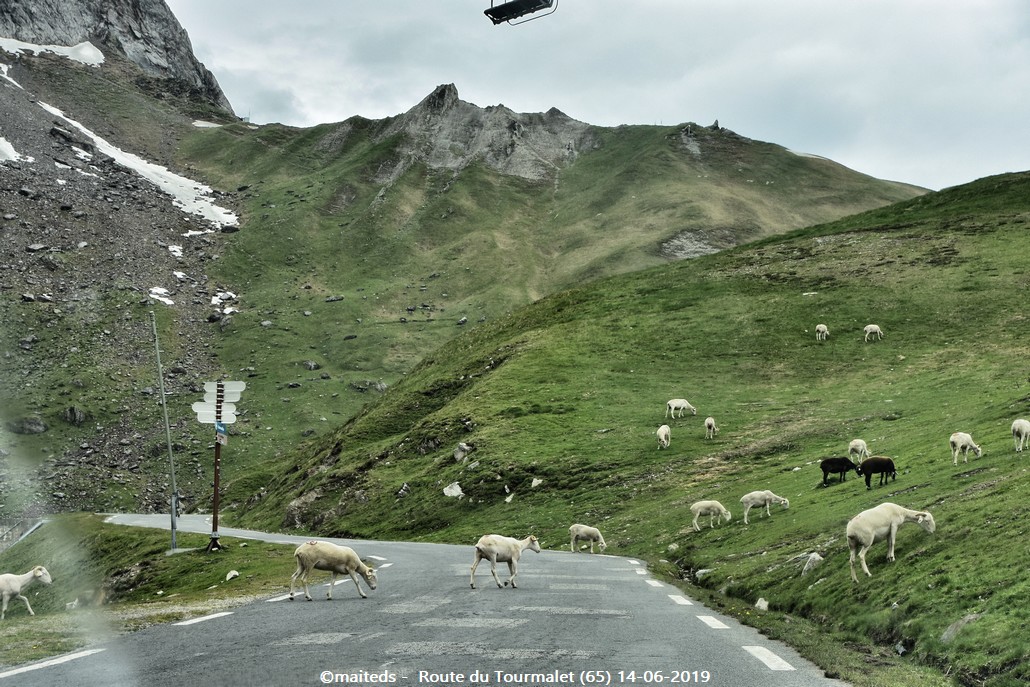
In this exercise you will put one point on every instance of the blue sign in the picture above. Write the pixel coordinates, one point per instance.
(220, 428)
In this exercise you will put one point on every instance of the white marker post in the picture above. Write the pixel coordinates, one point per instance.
(218, 409)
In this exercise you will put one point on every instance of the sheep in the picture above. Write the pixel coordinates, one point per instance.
(323, 555)
(761, 498)
(664, 436)
(11, 585)
(960, 441)
(858, 447)
(822, 332)
(1020, 433)
(495, 547)
(679, 404)
(837, 466)
(711, 509)
(881, 465)
(710, 429)
(873, 329)
(586, 533)
(877, 524)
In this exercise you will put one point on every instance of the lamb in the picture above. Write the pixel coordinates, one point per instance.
(881, 465)
(822, 332)
(495, 547)
(710, 429)
(1020, 433)
(11, 585)
(323, 555)
(960, 441)
(858, 447)
(586, 533)
(837, 466)
(679, 404)
(871, 330)
(877, 524)
(711, 509)
(664, 436)
(761, 498)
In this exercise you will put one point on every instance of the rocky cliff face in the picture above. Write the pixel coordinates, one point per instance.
(144, 31)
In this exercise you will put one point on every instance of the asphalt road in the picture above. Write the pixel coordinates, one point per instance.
(576, 618)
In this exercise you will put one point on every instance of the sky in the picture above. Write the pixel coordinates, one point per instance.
(921, 91)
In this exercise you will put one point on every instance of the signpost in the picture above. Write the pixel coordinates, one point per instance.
(218, 408)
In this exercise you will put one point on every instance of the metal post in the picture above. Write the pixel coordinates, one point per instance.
(213, 543)
(168, 429)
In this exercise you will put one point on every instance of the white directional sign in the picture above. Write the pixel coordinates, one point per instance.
(227, 408)
(228, 396)
(226, 386)
(210, 419)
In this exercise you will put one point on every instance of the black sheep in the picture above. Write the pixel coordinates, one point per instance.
(877, 464)
(837, 466)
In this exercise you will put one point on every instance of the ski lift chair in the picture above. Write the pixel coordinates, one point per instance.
(514, 9)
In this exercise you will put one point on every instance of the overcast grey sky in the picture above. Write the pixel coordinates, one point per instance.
(928, 92)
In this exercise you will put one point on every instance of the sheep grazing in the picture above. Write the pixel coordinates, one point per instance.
(711, 509)
(960, 441)
(877, 524)
(761, 498)
(881, 465)
(323, 555)
(679, 404)
(494, 548)
(858, 448)
(873, 330)
(710, 429)
(836, 466)
(822, 332)
(586, 533)
(1020, 433)
(11, 585)
(664, 436)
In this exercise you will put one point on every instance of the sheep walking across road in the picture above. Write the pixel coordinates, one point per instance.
(877, 524)
(323, 555)
(11, 585)
(494, 548)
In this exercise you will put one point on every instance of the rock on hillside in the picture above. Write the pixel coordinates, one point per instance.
(144, 31)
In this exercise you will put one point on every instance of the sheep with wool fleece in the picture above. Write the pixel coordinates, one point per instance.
(587, 533)
(759, 499)
(859, 448)
(961, 441)
(710, 429)
(711, 509)
(333, 558)
(496, 547)
(822, 332)
(664, 436)
(1020, 433)
(879, 523)
(11, 585)
(679, 404)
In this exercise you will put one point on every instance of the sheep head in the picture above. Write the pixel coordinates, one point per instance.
(925, 520)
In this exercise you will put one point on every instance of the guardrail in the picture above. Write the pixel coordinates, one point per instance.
(13, 529)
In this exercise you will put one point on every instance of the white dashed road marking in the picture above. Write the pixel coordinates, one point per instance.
(681, 600)
(767, 657)
(713, 622)
(51, 662)
(203, 618)
(655, 583)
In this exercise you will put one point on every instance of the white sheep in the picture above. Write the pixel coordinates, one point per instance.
(586, 533)
(1020, 433)
(664, 436)
(11, 585)
(758, 499)
(679, 404)
(495, 547)
(877, 524)
(871, 330)
(960, 441)
(710, 429)
(323, 555)
(858, 447)
(711, 509)
(822, 332)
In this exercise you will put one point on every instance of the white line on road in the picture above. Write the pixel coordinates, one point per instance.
(48, 663)
(713, 622)
(681, 600)
(771, 660)
(203, 618)
(641, 572)
(654, 583)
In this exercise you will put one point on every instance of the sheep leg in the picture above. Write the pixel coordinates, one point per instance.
(513, 570)
(890, 542)
(493, 571)
(354, 577)
(332, 583)
(711, 520)
(861, 557)
(696, 527)
(3, 611)
(475, 563)
(746, 509)
(767, 513)
(302, 576)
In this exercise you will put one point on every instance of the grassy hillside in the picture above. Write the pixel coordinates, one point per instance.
(561, 400)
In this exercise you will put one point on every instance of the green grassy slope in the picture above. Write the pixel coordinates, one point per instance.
(561, 401)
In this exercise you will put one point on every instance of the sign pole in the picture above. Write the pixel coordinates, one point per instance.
(213, 543)
(218, 408)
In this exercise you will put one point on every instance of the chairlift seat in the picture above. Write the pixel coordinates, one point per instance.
(516, 8)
